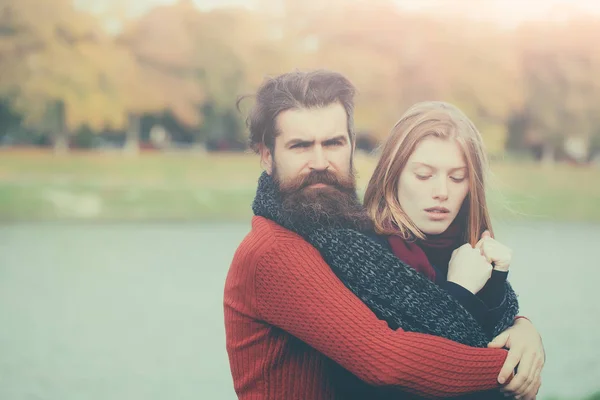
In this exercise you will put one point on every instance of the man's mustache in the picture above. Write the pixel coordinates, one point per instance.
(319, 177)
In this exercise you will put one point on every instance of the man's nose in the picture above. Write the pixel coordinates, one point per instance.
(318, 160)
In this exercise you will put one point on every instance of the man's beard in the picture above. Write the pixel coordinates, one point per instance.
(335, 205)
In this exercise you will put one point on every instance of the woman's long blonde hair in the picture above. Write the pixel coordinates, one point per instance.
(422, 120)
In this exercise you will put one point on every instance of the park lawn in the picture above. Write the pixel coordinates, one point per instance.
(39, 186)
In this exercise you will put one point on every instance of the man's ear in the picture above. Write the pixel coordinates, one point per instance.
(266, 159)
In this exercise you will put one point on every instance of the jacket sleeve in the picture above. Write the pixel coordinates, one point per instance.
(473, 304)
(494, 306)
(297, 291)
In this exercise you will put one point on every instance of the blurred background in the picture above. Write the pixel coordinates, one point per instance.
(126, 182)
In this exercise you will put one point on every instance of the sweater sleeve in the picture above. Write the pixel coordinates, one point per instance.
(488, 306)
(297, 291)
(492, 294)
(468, 300)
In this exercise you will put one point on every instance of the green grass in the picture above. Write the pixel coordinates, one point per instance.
(36, 185)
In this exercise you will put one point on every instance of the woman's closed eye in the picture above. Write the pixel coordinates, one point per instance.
(424, 177)
(457, 179)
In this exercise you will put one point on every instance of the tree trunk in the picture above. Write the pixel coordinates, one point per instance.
(61, 142)
(548, 154)
(57, 114)
(132, 138)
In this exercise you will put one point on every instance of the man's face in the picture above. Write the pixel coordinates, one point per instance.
(312, 165)
(310, 140)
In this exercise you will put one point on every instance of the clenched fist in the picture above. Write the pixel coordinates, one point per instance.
(469, 268)
(494, 252)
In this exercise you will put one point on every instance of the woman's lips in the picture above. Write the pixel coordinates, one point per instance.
(437, 213)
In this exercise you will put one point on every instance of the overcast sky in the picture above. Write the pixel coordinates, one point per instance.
(506, 12)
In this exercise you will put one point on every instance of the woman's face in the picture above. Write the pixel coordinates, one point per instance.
(434, 184)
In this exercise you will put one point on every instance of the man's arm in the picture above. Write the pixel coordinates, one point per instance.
(526, 353)
(297, 291)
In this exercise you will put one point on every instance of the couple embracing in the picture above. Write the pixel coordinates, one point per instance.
(403, 296)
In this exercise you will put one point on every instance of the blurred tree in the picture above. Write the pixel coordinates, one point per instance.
(228, 52)
(399, 59)
(162, 42)
(63, 69)
(366, 51)
(484, 80)
(9, 122)
(561, 65)
(199, 62)
(60, 69)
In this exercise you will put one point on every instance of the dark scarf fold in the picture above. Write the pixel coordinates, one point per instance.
(395, 292)
(434, 249)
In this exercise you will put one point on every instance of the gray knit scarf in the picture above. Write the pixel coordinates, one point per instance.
(394, 291)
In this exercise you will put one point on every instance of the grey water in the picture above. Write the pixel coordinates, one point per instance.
(134, 311)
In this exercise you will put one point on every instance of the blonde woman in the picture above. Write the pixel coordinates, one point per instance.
(428, 204)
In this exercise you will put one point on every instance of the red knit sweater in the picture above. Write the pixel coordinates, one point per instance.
(287, 316)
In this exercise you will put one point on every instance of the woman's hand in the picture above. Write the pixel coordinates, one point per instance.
(495, 252)
(469, 268)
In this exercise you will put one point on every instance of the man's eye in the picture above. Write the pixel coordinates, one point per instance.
(335, 143)
(300, 146)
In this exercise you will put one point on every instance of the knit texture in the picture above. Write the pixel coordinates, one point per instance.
(394, 291)
(294, 331)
